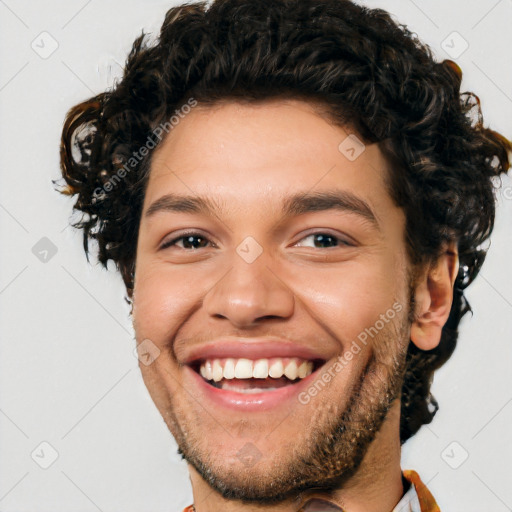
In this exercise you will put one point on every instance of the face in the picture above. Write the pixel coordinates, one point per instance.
(292, 261)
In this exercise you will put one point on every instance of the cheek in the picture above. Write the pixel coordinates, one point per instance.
(350, 298)
(162, 298)
(160, 306)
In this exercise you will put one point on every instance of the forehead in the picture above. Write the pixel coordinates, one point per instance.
(242, 154)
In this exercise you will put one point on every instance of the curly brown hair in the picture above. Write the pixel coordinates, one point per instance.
(367, 70)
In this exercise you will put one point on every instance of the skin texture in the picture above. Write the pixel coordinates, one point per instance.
(341, 446)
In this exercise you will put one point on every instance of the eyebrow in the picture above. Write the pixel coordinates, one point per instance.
(297, 204)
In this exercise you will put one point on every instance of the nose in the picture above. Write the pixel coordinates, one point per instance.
(248, 293)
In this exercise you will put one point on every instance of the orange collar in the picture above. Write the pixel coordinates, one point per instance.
(427, 501)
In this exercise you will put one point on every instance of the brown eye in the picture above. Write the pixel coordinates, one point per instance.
(190, 241)
(324, 240)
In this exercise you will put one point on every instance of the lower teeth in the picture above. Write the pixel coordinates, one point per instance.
(233, 385)
(249, 391)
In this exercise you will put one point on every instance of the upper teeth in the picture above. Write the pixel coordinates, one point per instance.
(276, 367)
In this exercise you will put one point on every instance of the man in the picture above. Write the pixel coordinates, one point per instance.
(295, 194)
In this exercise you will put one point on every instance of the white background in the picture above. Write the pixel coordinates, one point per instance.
(68, 375)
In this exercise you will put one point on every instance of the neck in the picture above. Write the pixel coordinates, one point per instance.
(375, 487)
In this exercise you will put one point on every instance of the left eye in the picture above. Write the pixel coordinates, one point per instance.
(195, 241)
(324, 240)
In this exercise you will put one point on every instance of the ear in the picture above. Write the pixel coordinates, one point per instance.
(433, 299)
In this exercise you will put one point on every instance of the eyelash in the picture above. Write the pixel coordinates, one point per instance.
(195, 234)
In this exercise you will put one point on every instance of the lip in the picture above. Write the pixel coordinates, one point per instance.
(249, 348)
(253, 348)
(253, 402)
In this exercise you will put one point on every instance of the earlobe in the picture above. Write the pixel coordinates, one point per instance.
(433, 299)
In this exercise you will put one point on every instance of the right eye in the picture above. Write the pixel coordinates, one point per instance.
(190, 241)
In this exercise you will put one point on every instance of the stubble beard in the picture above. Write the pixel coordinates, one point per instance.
(332, 450)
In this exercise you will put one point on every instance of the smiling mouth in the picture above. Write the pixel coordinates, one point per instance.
(255, 376)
